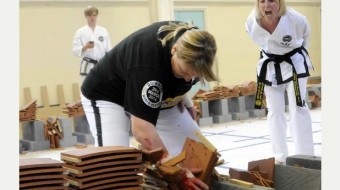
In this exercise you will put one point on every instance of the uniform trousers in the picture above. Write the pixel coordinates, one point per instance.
(110, 125)
(300, 122)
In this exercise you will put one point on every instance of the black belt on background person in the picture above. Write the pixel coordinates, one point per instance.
(86, 65)
(277, 59)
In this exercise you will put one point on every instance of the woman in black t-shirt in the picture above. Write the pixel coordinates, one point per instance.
(140, 82)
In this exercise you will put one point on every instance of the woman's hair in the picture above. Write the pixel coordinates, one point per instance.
(90, 10)
(195, 47)
(282, 10)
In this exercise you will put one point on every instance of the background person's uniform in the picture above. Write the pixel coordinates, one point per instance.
(99, 36)
(136, 78)
(281, 53)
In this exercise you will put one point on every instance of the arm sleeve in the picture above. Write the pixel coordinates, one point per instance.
(306, 32)
(108, 42)
(77, 44)
(187, 101)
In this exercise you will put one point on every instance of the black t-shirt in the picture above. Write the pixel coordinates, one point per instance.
(137, 75)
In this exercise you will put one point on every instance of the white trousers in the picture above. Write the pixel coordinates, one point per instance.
(300, 121)
(110, 125)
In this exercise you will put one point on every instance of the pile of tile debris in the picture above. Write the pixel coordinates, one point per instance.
(53, 132)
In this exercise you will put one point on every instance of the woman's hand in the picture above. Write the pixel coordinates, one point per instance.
(190, 182)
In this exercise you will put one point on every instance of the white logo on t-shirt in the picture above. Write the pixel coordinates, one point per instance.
(152, 93)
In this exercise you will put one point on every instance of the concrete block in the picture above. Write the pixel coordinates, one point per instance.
(236, 104)
(66, 125)
(250, 102)
(222, 118)
(312, 162)
(257, 113)
(296, 178)
(35, 145)
(81, 125)
(204, 109)
(68, 141)
(218, 107)
(223, 185)
(205, 121)
(240, 116)
(33, 130)
(84, 138)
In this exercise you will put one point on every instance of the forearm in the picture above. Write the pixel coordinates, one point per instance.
(187, 101)
(146, 134)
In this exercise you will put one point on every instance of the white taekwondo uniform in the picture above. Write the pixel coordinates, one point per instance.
(99, 36)
(284, 65)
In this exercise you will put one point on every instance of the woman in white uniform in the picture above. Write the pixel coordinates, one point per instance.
(283, 35)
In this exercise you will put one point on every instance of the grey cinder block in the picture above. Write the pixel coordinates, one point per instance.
(204, 109)
(33, 130)
(35, 145)
(68, 141)
(296, 178)
(240, 116)
(205, 121)
(218, 107)
(84, 138)
(257, 113)
(81, 125)
(306, 161)
(250, 102)
(222, 118)
(236, 104)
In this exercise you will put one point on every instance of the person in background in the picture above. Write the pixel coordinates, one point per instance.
(283, 35)
(143, 81)
(91, 41)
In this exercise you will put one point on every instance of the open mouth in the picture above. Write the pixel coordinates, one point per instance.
(268, 13)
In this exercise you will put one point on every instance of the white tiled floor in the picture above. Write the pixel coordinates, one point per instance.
(238, 142)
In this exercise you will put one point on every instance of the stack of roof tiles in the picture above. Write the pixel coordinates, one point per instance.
(207, 95)
(74, 109)
(42, 173)
(247, 88)
(111, 167)
(227, 91)
(28, 113)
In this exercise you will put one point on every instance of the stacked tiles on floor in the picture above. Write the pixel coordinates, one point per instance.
(29, 112)
(42, 173)
(110, 167)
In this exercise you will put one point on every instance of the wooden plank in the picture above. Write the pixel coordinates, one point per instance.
(44, 96)
(60, 93)
(76, 92)
(241, 183)
(27, 95)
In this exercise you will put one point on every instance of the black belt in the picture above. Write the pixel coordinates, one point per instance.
(86, 65)
(277, 59)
